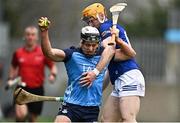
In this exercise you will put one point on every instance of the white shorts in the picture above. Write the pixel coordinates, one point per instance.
(130, 83)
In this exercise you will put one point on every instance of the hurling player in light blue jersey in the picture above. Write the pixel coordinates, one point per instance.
(81, 103)
(124, 102)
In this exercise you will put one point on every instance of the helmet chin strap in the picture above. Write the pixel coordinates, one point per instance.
(100, 19)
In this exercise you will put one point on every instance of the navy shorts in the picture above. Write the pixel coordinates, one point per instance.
(77, 113)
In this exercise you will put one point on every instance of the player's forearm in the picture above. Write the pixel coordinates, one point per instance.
(13, 72)
(127, 49)
(45, 44)
(106, 80)
(53, 70)
(106, 57)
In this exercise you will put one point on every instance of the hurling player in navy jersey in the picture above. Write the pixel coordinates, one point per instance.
(128, 82)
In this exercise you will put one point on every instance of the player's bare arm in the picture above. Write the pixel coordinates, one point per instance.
(106, 80)
(126, 52)
(51, 53)
(53, 73)
(13, 71)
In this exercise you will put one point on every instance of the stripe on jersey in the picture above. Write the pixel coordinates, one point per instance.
(127, 38)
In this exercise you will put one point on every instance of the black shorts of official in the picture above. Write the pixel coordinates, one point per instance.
(77, 113)
(35, 107)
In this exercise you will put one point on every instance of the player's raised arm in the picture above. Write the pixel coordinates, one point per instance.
(106, 56)
(126, 51)
(51, 53)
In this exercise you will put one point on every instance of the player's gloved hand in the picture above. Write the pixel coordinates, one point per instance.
(44, 23)
(88, 78)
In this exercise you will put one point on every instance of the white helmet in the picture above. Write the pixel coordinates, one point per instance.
(89, 33)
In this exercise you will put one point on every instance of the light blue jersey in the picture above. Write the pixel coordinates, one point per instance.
(77, 63)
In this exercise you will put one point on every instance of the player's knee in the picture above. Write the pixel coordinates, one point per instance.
(21, 111)
(64, 119)
(102, 119)
(21, 114)
(128, 117)
(105, 118)
(21, 117)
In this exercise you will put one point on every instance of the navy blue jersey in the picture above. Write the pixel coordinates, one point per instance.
(117, 68)
(77, 63)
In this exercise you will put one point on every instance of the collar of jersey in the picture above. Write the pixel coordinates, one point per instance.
(80, 50)
(35, 49)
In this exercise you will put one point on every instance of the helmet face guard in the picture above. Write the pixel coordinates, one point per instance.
(90, 37)
(86, 19)
(101, 18)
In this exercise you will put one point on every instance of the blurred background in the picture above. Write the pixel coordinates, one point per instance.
(153, 27)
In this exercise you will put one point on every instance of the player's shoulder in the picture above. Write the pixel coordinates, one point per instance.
(105, 26)
(100, 51)
(38, 48)
(72, 49)
(69, 52)
(19, 50)
(104, 29)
